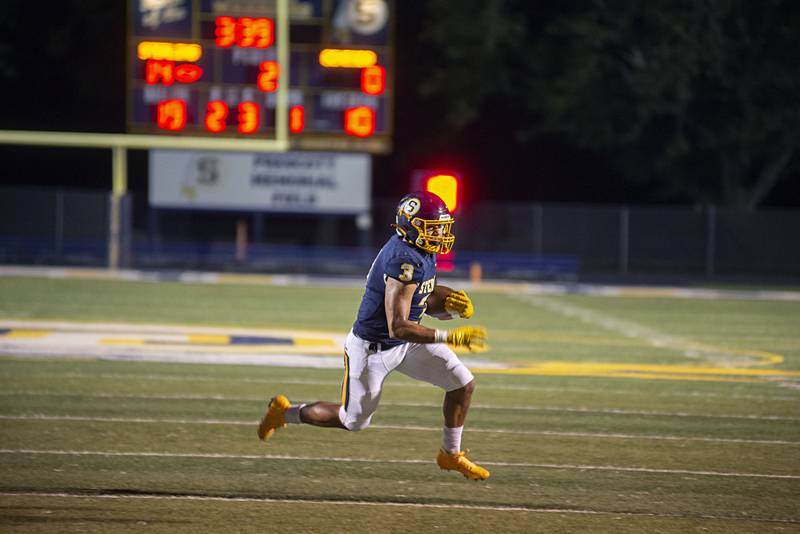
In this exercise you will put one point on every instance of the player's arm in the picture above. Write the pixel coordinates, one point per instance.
(397, 299)
(446, 303)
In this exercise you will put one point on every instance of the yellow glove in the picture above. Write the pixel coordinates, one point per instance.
(460, 303)
(471, 337)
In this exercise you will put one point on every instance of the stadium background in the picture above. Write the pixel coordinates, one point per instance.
(645, 354)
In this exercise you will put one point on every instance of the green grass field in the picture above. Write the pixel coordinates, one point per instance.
(635, 414)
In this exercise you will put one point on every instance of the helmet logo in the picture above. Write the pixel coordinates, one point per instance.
(411, 207)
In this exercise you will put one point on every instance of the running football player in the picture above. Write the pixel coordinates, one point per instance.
(387, 336)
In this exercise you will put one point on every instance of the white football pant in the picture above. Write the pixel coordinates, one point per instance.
(365, 370)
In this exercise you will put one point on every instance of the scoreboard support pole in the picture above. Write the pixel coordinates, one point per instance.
(119, 188)
(282, 105)
(119, 145)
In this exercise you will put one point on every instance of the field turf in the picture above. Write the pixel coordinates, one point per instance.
(698, 431)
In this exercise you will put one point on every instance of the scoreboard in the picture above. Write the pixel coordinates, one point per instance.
(211, 68)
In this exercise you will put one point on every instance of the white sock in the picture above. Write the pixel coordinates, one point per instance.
(451, 438)
(292, 414)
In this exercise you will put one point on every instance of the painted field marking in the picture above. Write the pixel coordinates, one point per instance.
(400, 384)
(216, 456)
(648, 371)
(230, 422)
(656, 338)
(188, 344)
(528, 408)
(398, 504)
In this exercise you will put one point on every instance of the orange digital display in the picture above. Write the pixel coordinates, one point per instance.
(244, 32)
(214, 70)
(216, 115)
(170, 51)
(268, 76)
(188, 73)
(360, 121)
(297, 119)
(249, 117)
(172, 115)
(332, 57)
(157, 71)
(373, 80)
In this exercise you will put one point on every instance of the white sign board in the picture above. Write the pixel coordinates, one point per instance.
(300, 182)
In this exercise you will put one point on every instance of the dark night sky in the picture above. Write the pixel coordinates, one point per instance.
(73, 80)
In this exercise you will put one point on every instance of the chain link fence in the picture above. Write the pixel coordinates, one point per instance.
(566, 241)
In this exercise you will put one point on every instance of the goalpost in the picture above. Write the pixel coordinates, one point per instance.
(120, 143)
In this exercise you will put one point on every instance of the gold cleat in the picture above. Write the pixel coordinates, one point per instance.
(457, 461)
(273, 419)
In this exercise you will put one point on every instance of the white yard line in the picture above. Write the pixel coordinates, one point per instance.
(631, 329)
(229, 422)
(396, 504)
(481, 384)
(216, 456)
(529, 408)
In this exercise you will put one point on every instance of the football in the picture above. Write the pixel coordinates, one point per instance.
(435, 303)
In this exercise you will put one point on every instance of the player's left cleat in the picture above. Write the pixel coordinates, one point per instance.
(458, 461)
(273, 419)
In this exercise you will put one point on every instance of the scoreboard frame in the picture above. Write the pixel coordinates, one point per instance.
(335, 117)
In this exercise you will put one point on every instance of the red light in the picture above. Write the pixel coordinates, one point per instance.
(225, 32)
(444, 262)
(216, 115)
(156, 71)
(373, 80)
(268, 76)
(245, 32)
(248, 117)
(297, 119)
(188, 73)
(359, 121)
(446, 187)
(171, 115)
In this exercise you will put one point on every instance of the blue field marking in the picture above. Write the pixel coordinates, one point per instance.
(260, 340)
(5, 331)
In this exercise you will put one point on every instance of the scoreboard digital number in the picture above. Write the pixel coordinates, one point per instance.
(211, 68)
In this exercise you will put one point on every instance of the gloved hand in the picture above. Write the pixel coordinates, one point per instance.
(471, 337)
(460, 303)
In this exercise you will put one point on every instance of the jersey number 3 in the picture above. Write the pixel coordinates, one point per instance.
(407, 272)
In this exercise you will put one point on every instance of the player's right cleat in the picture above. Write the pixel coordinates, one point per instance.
(273, 419)
(457, 461)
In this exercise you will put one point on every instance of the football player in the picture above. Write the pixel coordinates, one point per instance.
(387, 336)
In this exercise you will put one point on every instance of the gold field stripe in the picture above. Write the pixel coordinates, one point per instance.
(27, 333)
(313, 342)
(205, 339)
(121, 341)
(622, 370)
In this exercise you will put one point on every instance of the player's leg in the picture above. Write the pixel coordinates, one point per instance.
(456, 405)
(437, 364)
(361, 387)
(320, 413)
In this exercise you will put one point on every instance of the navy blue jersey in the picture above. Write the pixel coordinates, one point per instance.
(406, 263)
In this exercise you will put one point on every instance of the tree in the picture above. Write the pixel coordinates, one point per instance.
(697, 99)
